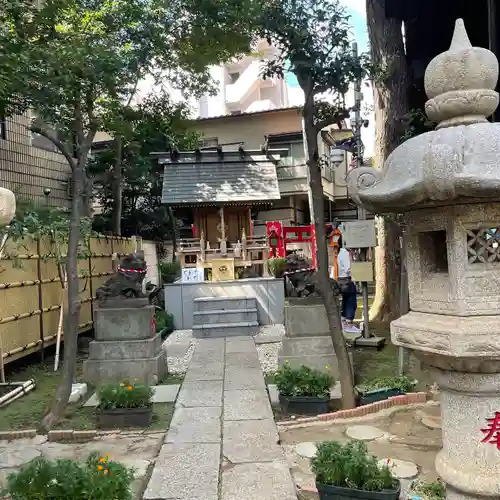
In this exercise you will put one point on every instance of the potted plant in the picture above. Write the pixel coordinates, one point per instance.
(303, 390)
(98, 478)
(345, 470)
(124, 405)
(276, 266)
(381, 388)
(170, 271)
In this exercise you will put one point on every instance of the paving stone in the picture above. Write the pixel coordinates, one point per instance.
(201, 393)
(15, 456)
(251, 441)
(246, 405)
(432, 422)
(364, 432)
(205, 371)
(165, 393)
(161, 394)
(243, 359)
(243, 378)
(258, 481)
(306, 449)
(240, 345)
(195, 425)
(185, 472)
(400, 469)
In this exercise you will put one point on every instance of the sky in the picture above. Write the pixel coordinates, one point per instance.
(356, 9)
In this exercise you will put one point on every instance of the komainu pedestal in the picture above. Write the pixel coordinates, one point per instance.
(307, 338)
(126, 344)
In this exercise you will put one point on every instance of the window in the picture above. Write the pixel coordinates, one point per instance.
(233, 77)
(434, 252)
(209, 142)
(3, 127)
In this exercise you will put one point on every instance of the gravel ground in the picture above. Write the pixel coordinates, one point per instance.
(180, 345)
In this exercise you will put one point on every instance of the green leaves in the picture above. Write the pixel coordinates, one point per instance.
(348, 465)
(303, 381)
(314, 39)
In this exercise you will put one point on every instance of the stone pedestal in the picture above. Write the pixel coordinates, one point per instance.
(126, 344)
(307, 338)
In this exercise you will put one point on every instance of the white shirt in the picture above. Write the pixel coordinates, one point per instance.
(344, 263)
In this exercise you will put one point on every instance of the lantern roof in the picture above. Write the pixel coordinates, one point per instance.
(461, 158)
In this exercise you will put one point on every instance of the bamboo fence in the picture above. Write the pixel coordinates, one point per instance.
(31, 291)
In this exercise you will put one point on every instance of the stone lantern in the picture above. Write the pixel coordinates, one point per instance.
(446, 185)
(7, 206)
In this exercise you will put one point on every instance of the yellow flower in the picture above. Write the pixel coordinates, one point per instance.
(286, 361)
(129, 388)
(122, 385)
(100, 467)
(326, 366)
(106, 471)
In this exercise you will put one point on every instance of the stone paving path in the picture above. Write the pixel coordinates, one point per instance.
(223, 442)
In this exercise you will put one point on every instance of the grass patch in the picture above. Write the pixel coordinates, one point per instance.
(28, 411)
(370, 363)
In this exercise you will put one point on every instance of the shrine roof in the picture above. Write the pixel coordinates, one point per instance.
(214, 178)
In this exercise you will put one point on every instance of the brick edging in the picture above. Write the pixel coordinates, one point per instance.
(361, 411)
(71, 436)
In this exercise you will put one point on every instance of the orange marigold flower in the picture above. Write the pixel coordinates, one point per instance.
(100, 467)
(102, 460)
(129, 388)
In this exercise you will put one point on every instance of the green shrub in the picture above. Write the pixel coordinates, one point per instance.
(303, 381)
(430, 491)
(348, 465)
(170, 271)
(124, 395)
(164, 322)
(276, 266)
(98, 479)
(404, 384)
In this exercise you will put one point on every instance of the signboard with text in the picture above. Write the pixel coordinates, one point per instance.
(359, 234)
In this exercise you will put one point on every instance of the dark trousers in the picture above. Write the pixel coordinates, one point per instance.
(349, 301)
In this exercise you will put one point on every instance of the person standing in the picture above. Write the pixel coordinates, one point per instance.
(347, 289)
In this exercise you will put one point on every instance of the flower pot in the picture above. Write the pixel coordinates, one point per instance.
(119, 418)
(327, 492)
(304, 405)
(367, 397)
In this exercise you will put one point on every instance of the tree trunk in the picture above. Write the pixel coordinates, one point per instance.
(391, 105)
(72, 317)
(117, 188)
(330, 301)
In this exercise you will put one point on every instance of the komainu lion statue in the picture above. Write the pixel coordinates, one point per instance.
(126, 283)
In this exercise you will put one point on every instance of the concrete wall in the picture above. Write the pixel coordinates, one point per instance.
(152, 274)
(269, 293)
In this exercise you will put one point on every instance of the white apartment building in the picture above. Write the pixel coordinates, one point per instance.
(241, 88)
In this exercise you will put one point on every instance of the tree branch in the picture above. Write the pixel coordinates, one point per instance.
(63, 148)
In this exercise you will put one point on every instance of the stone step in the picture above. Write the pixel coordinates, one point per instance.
(223, 303)
(246, 328)
(125, 349)
(223, 316)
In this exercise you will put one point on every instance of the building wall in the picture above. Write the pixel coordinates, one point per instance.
(27, 170)
(252, 128)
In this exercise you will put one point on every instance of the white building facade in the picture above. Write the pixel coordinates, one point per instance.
(241, 87)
